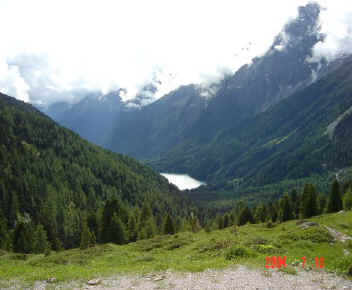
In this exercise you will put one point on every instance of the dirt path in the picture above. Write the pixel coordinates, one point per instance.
(231, 278)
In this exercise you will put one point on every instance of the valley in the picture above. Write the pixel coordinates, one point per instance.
(136, 159)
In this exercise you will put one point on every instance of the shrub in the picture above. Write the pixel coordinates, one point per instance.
(237, 252)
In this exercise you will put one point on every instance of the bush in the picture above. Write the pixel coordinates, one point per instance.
(237, 252)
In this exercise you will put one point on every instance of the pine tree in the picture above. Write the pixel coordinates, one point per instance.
(5, 240)
(194, 223)
(335, 202)
(86, 236)
(112, 207)
(150, 228)
(245, 216)
(286, 210)
(294, 201)
(117, 231)
(309, 206)
(22, 240)
(220, 222)
(347, 200)
(40, 240)
(93, 224)
(169, 226)
(132, 228)
(146, 214)
(321, 204)
(226, 220)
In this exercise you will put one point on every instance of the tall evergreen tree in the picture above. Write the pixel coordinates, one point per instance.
(22, 240)
(86, 236)
(40, 240)
(245, 216)
(347, 200)
(321, 204)
(294, 201)
(112, 207)
(117, 231)
(286, 209)
(132, 228)
(169, 226)
(227, 221)
(335, 201)
(309, 205)
(5, 240)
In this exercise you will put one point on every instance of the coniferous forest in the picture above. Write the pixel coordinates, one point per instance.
(57, 191)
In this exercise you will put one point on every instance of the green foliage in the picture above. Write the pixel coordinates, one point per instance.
(335, 201)
(237, 252)
(347, 200)
(54, 176)
(309, 202)
(286, 212)
(86, 236)
(169, 226)
(40, 240)
(132, 228)
(118, 232)
(23, 237)
(245, 216)
(5, 239)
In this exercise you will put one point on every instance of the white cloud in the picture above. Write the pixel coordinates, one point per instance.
(61, 49)
(336, 24)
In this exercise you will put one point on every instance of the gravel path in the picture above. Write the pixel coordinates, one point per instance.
(231, 278)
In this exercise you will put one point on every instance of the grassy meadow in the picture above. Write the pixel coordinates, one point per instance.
(248, 245)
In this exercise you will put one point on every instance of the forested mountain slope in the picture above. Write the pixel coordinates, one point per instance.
(307, 133)
(51, 176)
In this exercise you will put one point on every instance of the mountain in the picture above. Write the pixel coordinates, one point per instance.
(50, 175)
(264, 124)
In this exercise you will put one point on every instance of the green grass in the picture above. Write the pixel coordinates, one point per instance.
(190, 252)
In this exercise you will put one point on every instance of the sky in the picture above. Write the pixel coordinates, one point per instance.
(60, 50)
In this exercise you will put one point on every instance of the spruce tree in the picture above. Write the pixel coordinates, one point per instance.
(169, 226)
(321, 203)
(150, 228)
(40, 240)
(347, 200)
(194, 223)
(226, 220)
(335, 201)
(22, 239)
(294, 201)
(220, 222)
(117, 231)
(5, 240)
(86, 236)
(286, 210)
(113, 206)
(245, 216)
(132, 228)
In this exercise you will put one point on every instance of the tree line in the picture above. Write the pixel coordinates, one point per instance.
(116, 223)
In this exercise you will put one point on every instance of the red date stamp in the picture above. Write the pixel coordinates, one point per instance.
(278, 262)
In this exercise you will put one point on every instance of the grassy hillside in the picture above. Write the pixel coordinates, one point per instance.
(249, 245)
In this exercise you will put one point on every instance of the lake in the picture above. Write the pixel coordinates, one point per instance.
(182, 181)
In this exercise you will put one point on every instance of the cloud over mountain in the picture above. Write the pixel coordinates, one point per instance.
(63, 49)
